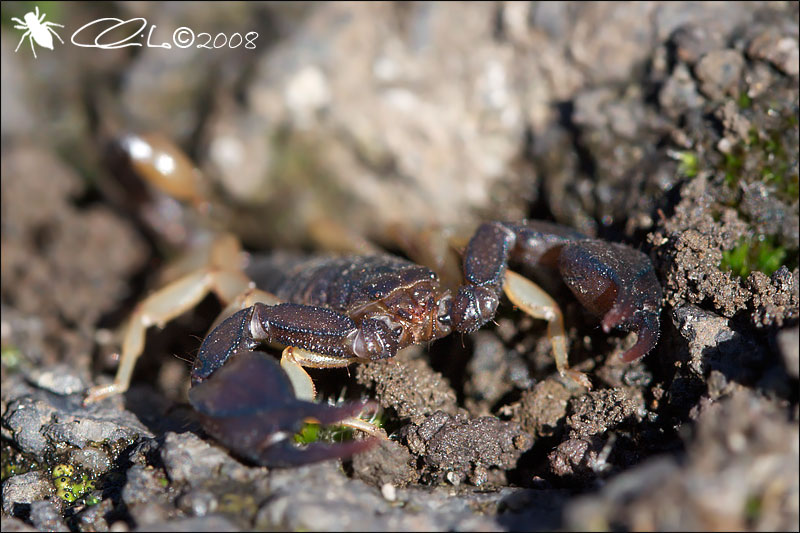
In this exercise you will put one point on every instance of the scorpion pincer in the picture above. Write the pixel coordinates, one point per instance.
(336, 310)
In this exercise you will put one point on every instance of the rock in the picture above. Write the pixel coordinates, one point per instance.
(46, 516)
(188, 459)
(780, 50)
(456, 448)
(91, 459)
(20, 491)
(720, 72)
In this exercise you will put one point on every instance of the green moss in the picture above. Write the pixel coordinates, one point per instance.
(11, 357)
(750, 255)
(91, 499)
(63, 470)
(62, 482)
(307, 435)
(733, 167)
(752, 508)
(744, 101)
(66, 494)
(14, 462)
(687, 163)
(71, 485)
(772, 159)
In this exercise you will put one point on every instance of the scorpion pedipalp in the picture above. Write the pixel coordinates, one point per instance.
(611, 280)
(249, 405)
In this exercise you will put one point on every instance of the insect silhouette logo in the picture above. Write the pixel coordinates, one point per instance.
(37, 30)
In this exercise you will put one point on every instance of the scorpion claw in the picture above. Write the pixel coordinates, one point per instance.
(647, 329)
(249, 406)
(619, 284)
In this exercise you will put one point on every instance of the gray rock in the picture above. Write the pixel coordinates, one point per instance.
(317, 498)
(45, 516)
(204, 524)
(25, 417)
(693, 41)
(146, 497)
(142, 485)
(744, 450)
(22, 490)
(60, 379)
(679, 93)
(91, 459)
(720, 72)
(39, 421)
(714, 345)
(15, 524)
(188, 459)
(780, 50)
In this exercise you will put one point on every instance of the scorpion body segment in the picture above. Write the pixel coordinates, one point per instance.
(399, 300)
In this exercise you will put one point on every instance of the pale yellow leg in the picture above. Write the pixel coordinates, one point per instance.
(161, 307)
(294, 359)
(532, 299)
(220, 251)
(244, 300)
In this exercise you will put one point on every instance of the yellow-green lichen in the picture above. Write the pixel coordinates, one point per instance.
(307, 435)
(687, 163)
(71, 485)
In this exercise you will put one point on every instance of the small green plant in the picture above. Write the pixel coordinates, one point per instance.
(744, 101)
(750, 255)
(687, 163)
(336, 433)
(11, 357)
(307, 435)
(71, 486)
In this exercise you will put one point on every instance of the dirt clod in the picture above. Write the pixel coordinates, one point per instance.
(455, 448)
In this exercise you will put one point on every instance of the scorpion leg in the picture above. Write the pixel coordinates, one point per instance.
(325, 337)
(532, 299)
(161, 307)
(247, 298)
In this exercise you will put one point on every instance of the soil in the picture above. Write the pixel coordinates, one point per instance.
(671, 127)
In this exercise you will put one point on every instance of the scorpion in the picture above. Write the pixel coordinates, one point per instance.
(332, 311)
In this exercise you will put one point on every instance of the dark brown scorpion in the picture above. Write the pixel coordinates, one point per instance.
(336, 310)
